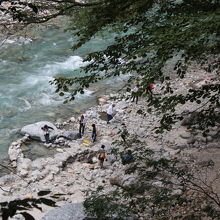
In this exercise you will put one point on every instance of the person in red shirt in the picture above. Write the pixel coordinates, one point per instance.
(150, 88)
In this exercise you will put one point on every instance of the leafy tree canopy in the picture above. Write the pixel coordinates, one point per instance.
(161, 189)
(150, 33)
(16, 14)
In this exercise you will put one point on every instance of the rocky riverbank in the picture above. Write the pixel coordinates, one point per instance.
(74, 168)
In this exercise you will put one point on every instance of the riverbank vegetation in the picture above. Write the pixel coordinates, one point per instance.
(148, 35)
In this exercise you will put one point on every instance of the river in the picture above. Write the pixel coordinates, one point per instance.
(26, 68)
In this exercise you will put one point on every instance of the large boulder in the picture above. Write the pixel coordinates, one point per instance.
(70, 135)
(102, 99)
(190, 119)
(35, 130)
(123, 181)
(73, 211)
(7, 179)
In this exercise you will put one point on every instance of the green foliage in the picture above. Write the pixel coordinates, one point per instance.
(150, 33)
(106, 206)
(9, 209)
(110, 11)
(211, 212)
(159, 190)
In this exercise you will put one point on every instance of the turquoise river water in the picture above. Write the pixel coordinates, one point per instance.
(26, 67)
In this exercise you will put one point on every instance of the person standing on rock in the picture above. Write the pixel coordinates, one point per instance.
(110, 113)
(124, 132)
(134, 94)
(46, 130)
(150, 88)
(82, 124)
(101, 156)
(94, 132)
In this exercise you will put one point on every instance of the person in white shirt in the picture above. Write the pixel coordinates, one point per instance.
(110, 113)
(46, 130)
(134, 94)
(82, 124)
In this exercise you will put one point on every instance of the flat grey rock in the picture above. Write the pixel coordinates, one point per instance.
(73, 211)
(70, 135)
(35, 130)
